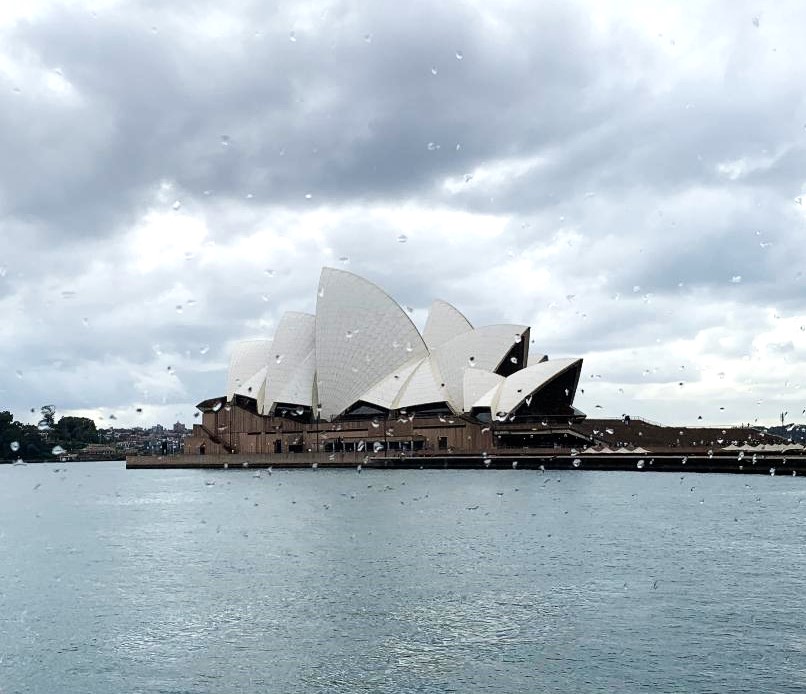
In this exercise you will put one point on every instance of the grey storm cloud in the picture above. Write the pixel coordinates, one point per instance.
(623, 179)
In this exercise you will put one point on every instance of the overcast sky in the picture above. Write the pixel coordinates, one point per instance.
(624, 177)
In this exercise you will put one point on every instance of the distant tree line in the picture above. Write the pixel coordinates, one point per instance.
(39, 441)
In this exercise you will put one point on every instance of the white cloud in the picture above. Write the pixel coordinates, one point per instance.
(600, 148)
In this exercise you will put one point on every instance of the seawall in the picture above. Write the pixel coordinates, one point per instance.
(661, 462)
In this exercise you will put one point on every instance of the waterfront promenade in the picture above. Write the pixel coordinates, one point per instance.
(661, 461)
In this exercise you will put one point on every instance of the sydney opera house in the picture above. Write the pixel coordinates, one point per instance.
(359, 376)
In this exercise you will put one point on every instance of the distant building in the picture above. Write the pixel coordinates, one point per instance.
(179, 428)
(359, 375)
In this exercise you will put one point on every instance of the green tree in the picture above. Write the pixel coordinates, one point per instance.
(72, 433)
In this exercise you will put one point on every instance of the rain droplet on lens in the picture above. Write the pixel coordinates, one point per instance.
(460, 55)
(402, 238)
(225, 140)
(292, 36)
(58, 450)
(177, 204)
(736, 279)
(368, 38)
(204, 349)
(640, 465)
(434, 71)
(576, 462)
(15, 446)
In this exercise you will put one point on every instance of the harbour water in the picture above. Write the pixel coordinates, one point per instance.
(199, 581)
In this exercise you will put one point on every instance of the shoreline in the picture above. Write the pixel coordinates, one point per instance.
(660, 462)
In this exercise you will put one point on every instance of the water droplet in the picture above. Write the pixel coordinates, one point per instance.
(772, 472)
(292, 36)
(402, 238)
(460, 55)
(177, 205)
(57, 450)
(471, 361)
(179, 308)
(756, 22)
(315, 466)
(18, 373)
(576, 462)
(349, 334)
(300, 410)
(434, 71)
(204, 349)
(308, 196)
(377, 447)
(265, 297)
(375, 422)
(344, 259)
(278, 358)
(269, 272)
(432, 146)
(799, 199)
(15, 446)
(514, 464)
(514, 360)
(409, 348)
(368, 38)
(736, 279)
(225, 140)
(640, 465)
(215, 407)
(468, 177)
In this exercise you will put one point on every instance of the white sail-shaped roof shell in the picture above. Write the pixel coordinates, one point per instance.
(385, 392)
(299, 389)
(479, 387)
(362, 335)
(520, 385)
(290, 368)
(444, 323)
(248, 357)
(254, 386)
(487, 346)
(422, 387)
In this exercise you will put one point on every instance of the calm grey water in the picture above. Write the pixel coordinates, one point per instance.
(411, 581)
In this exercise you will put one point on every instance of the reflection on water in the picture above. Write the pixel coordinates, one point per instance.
(420, 581)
